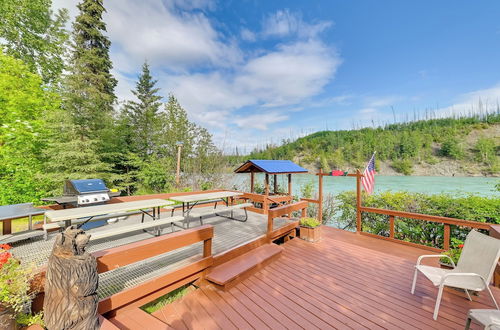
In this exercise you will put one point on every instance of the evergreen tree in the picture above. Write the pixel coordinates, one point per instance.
(144, 117)
(31, 32)
(69, 156)
(89, 95)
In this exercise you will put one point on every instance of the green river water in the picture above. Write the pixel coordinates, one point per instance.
(459, 186)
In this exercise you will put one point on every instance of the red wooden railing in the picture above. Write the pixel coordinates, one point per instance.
(447, 222)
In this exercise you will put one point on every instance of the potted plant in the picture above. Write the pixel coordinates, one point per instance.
(15, 289)
(454, 254)
(310, 229)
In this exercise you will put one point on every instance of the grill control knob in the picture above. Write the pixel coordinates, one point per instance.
(95, 199)
(87, 200)
(103, 198)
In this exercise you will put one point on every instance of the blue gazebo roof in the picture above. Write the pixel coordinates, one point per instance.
(270, 167)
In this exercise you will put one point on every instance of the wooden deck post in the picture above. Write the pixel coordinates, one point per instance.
(207, 247)
(252, 183)
(446, 238)
(320, 196)
(391, 226)
(358, 201)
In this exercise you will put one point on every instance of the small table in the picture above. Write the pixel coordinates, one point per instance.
(67, 215)
(17, 211)
(190, 201)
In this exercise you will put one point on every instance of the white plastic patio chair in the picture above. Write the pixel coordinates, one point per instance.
(488, 318)
(473, 271)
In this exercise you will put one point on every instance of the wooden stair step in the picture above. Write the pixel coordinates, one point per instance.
(137, 319)
(228, 274)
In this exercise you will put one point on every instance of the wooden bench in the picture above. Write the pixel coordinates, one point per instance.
(228, 274)
(219, 211)
(21, 236)
(211, 201)
(138, 226)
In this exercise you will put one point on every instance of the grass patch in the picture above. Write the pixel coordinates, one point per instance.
(165, 300)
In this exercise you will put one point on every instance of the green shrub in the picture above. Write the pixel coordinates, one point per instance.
(309, 222)
(404, 166)
(452, 148)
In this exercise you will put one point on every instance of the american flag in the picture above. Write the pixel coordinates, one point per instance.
(368, 179)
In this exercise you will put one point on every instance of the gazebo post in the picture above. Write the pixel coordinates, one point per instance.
(289, 184)
(252, 178)
(275, 184)
(266, 193)
(266, 185)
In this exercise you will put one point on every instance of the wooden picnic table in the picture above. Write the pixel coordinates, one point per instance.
(190, 201)
(17, 211)
(67, 215)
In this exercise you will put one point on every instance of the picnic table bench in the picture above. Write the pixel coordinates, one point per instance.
(83, 215)
(17, 211)
(190, 201)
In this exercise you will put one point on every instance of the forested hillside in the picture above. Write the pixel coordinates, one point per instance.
(451, 146)
(60, 118)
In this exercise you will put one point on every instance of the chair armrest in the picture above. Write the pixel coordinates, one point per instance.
(419, 260)
(447, 275)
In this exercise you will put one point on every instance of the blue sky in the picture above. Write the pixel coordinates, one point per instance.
(256, 72)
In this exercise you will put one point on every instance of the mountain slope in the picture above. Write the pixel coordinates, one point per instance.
(450, 146)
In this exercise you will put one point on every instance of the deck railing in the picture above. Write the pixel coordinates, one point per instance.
(281, 211)
(447, 223)
(125, 255)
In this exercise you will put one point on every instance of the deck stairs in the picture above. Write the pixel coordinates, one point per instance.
(137, 319)
(230, 273)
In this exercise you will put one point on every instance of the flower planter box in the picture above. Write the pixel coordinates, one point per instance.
(310, 234)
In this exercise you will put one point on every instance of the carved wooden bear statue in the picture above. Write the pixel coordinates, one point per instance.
(70, 289)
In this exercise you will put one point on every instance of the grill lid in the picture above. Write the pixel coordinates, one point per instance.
(87, 186)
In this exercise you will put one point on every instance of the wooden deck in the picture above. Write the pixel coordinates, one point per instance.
(228, 236)
(345, 281)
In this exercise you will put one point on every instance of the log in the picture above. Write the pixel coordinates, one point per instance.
(71, 299)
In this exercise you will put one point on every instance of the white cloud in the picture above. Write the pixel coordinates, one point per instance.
(382, 101)
(367, 111)
(285, 23)
(476, 102)
(247, 35)
(287, 76)
(260, 121)
(168, 36)
(291, 74)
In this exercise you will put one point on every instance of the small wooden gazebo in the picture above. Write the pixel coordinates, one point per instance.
(269, 167)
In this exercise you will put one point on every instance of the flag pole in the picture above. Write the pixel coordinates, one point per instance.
(358, 201)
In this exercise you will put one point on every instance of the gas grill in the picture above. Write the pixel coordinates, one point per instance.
(83, 193)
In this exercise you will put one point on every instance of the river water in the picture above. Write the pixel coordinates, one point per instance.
(458, 186)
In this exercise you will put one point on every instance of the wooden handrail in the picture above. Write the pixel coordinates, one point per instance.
(310, 200)
(127, 254)
(447, 222)
(426, 217)
(282, 210)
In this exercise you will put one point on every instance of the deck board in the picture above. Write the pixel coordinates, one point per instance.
(346, 281)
